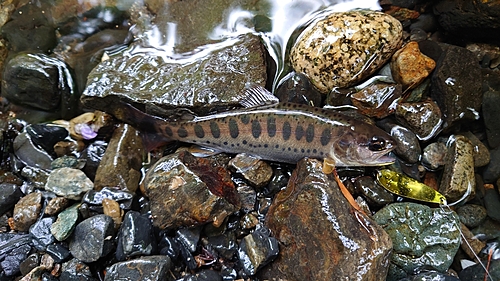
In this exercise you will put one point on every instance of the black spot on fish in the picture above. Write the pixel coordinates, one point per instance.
(315, 151)
(326, 135)
(295, 150)
(233, 128)
(214, 129)
(310, 133)
(168, 131)
(244, 142)
(266, 145)
(289, 149)
(302, 150)
(245, 119)
(308, 151)
(198, 130)
(182, 132)
(287, 130)
(256, 129)
(225, 143)
(271, 126)
(299, 132)
(277, 146)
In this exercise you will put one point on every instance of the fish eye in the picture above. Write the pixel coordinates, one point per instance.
(377, 144)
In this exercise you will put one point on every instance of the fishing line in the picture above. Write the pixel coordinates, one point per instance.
(462, 236)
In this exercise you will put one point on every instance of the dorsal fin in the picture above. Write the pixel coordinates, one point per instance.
(257, 96)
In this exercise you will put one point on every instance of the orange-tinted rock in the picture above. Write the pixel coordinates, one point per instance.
(410, 67)
(26, 212)
(116, 170)
(321, 236)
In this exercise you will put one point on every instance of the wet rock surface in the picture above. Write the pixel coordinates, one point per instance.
(420, 235)
(308, 222)
(348, 58)
(69, 183)
(227, 217)
(151, 71)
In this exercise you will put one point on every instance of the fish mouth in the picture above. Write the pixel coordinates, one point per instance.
(384, 160)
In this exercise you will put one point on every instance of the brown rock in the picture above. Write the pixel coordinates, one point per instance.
(26, 212)
(257, 172)
(115, 170)
(112, 208)
(423, 118)
(56, 205)
(410, 67)
(321, 236)
(183, 192)
(377, 100)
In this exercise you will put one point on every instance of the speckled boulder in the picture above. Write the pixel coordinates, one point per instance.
(345, 48)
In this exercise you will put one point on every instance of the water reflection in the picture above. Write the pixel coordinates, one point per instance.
(286, 19)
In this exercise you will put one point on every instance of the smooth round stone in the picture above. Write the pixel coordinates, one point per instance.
(471, 215)
(99, 228)
(344, 48)
(69, 183)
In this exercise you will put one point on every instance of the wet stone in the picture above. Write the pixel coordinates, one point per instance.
(26, 211)
(257, 249)
(188, 237)
(407, 144)
(297, 88)
(92, 155)
(181, 197)
(135, 237)
(458, 178)
(430, 237)
(29, 153)
(456, 86)
(491, 110)
(69, 183)
(30, 29)
(249, 221)
(94, 197)
(40, 233)
(112, 208)
(169, 246)
(434, 155)
(11, 263)
(58, 252)
(360, 37)
(29, 263)
(68, 162)
(481, 152)
(248, 197)
(46, 136)
(56, 205)
(423, 118)
(117, 171)
(492, 202)
(204, 275)
(377, 100)
(476, 272)
(257, 172)
(433, 275)
(225, 244)
(49, 77)
(301, 217)
(36, 176)
(9, 195)
(100, 228)
(76, 270)
(65, 223)
(491, 173)
(471, 215)
(151, 268)
(410, 67)
(374, 193)
(139, 76)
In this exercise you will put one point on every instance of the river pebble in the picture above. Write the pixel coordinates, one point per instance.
(377, 100)
(476, 272)
(301, 217)
(40, 233)
(455, 85)
(458, 179)
(135, 237)
(65, 223)
(26, 212)
(471, 215)
(491, 173)
(375, 194)
(420, 235)
(423, 118)
(491, 111)
(257, 250)
(9, 195)
(76, 270)
(434, 155)
(410, 67)
(257, 172)
(30, 154)
(151, 268)
(101, 229)
(56, 205)
(204, 275)
(69, 183)
(481, 152)
(180, 197)
(407, 144)
(117, 171)
(492, 202)
(335, 51)
(297, 88)
(58, 252)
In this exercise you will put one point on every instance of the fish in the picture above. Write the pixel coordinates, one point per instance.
(281, 132)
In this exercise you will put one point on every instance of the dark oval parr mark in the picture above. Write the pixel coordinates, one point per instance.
(198, 131)
(326, 136)
(182, 132)
(256, 129)
(310, 133)
(271, 126)
(299, 132)
(214, 129)
(287, 130)
(233, 128)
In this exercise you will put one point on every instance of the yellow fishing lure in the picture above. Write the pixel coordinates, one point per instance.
(405, 186)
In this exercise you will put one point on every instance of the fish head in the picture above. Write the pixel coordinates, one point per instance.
(362, 144)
